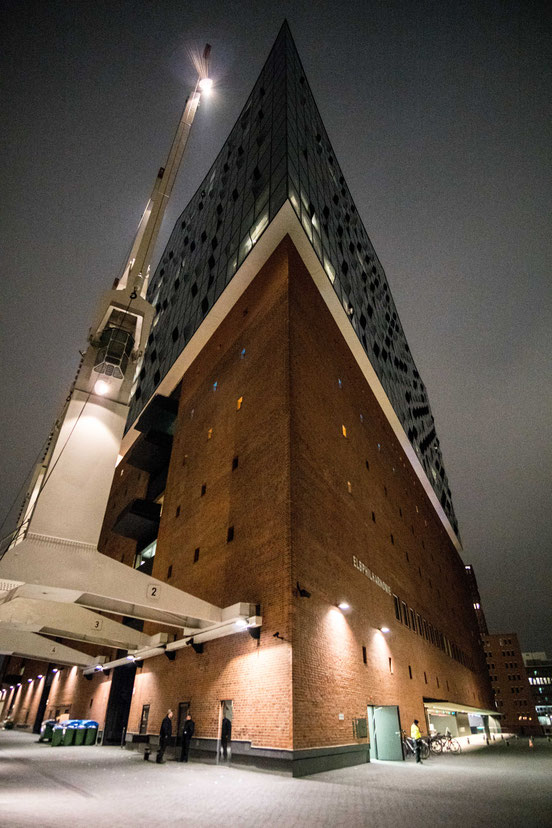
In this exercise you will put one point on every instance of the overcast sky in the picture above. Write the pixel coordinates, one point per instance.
(439, 113)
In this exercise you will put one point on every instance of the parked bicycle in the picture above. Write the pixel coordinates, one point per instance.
(409, 749)
(444, 744)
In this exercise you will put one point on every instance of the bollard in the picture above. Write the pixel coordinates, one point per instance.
(531, 742)
(147, 754)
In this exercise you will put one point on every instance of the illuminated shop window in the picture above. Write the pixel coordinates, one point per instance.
(343, 430)
(239, 403)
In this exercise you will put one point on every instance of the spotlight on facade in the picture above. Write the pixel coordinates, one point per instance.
(40, 676)
(343, 605)
(241, 623)
(206, 85)
(384, 629)
(29, 680)
(54, 669)
(98, 667)
(101, 387)
(130, 658)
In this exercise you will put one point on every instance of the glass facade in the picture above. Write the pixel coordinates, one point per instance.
(278, 150)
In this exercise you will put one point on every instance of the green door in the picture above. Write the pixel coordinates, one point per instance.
(385, 733)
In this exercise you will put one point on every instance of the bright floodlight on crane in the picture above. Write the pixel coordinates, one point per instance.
(206, 85)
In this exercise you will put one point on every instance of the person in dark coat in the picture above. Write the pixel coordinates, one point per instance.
(164, 735)
(225, 736)
(187, 733)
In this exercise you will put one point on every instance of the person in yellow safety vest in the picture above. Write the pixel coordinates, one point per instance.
(416, 737)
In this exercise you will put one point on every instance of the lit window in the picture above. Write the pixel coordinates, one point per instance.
(343, 430)
(242, 353)
(239, 403)
(349, 487)
(340, 383)
(215, 386)
(209, 433)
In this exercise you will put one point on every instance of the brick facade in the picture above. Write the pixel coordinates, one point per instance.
(310, 504)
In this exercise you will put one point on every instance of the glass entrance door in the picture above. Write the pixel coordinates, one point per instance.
(385, 733)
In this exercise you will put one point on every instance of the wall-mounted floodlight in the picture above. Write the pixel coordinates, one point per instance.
(98, 667)
(242, 623)
(343, 605)
(384, 629)
(101, 387)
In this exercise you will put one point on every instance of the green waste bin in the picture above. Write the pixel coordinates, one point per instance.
(91, 732)
(80, 734)
(68, 737)
(46, 730)
(57, 735)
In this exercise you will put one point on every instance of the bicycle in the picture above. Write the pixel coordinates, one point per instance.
(451, 745)
(409, 748)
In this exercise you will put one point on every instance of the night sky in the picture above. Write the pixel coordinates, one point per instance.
(439, 113)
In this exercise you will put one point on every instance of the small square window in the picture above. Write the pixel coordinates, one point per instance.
(230, 534)
(343, 430)
(239, 403)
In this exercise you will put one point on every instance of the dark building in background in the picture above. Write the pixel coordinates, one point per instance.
(539, 671)
(510, 682)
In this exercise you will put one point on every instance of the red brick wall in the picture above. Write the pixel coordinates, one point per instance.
(331, 524)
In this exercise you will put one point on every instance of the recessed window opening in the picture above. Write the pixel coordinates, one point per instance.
(390, 665)
(425, 677)
(242, 353)
(397, 604)
(368, 465)
(230, 534)
(196, 555)
(184, 459)
(235, 462)
(343, 430)
(169, 572)
(374, 516)
(392, 539)
(362, 418)
(410, 671)
(349, 487)
(203, 488)
(364, 656)
(239, 403)
(215, 385)
(177, 513)
(209, 433)
(340, 384)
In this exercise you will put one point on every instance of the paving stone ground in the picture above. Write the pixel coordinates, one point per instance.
(107, 786)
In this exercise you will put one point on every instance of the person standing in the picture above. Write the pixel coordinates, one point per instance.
(416, 737)
(164, 735)
(187, 733)
(225, 736)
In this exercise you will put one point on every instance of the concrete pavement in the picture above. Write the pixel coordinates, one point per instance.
(107, 786)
